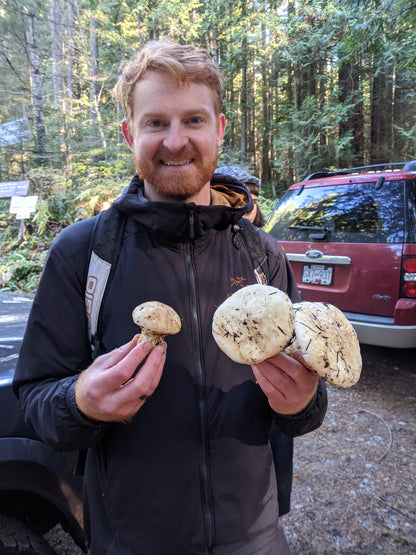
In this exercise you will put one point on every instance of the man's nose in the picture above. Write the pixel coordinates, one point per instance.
(176, 137)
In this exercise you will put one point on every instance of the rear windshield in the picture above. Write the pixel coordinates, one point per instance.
(353, 213)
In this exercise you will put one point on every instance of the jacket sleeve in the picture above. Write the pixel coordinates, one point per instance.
(309, 419)
(55, 347)
(281, 276)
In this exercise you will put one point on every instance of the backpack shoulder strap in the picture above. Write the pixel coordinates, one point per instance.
(104, 250)
(246, 234)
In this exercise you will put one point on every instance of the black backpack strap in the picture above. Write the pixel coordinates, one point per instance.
(105, 245)
(246, 234)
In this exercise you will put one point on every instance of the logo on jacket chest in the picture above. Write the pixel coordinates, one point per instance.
(238, 281)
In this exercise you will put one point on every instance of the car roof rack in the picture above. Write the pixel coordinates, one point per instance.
(406, 166)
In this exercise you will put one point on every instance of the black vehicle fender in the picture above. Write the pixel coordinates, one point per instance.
(38, 486)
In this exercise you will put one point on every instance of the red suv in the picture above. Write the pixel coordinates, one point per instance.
(351, 238)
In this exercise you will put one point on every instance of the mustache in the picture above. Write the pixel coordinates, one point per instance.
(186, 153)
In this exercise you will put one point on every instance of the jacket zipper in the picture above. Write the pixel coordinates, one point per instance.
(207, 509)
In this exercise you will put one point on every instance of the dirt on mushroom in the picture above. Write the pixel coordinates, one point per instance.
(259, 321)
(328, 342)
(253, 324)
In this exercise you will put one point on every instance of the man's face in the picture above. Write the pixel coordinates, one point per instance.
(174, 137)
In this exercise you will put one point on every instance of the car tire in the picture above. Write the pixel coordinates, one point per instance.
(18, 539)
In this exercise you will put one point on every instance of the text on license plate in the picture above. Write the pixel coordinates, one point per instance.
(317, 274)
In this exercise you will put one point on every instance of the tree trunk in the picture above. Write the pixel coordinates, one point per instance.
(291, 96)
(404, 113)
(266, 107)
(349, 86)
(37, 93)
(96, 131)
(94, 89)
(243, 146)
(56, 36)
(69, 80)
(381, 114)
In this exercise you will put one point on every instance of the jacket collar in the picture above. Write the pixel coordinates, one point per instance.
(182, 221)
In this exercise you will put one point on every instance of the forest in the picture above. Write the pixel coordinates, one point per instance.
(308, 85)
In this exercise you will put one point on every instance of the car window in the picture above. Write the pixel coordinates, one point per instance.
(353, 213)
(410, 211)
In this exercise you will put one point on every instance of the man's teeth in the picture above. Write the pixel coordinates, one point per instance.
(177, 163)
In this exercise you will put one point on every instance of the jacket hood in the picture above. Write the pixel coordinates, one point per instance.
(230, 200)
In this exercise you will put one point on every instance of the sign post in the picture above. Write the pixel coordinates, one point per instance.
(20, 205)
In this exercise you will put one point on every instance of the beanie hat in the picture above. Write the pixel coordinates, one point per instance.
(240, 174)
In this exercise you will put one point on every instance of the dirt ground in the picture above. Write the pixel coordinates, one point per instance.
(354, 484)
(354, 481)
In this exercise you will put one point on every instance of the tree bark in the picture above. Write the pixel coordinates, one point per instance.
(381, 118)
(57, 55)
(37, 92)
(349, 86)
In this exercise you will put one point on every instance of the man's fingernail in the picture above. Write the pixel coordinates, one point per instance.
(161, 349)
(147, 346)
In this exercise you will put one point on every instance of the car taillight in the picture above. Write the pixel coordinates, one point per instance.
(409, 277)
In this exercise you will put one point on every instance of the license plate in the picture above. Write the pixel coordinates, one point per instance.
(317, 274)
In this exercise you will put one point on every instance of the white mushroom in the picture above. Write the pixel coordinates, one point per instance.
(328, 342)
(259, 321)
(156, 320)
(254, 324)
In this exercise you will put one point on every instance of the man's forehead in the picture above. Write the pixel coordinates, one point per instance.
(155, 85)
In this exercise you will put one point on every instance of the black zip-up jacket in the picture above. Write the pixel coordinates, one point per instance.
(192, 472)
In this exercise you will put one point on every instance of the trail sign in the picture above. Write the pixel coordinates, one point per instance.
(14, 189)
(23, 206)
(15, 132)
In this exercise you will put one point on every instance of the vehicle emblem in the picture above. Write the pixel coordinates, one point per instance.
(314, 254)
(381, 297)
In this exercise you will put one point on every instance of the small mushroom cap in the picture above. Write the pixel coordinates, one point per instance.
(157, 318)
(254, 324)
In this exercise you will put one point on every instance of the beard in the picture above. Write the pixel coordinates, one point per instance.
(173, 182)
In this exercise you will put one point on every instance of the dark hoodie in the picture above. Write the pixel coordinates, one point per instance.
(192, 472)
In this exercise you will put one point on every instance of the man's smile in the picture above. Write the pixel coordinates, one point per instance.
(178, 163)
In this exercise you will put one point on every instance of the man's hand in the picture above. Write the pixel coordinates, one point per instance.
(107, 391)
(288, 384)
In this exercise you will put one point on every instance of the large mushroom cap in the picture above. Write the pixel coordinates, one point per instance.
(156, 320)
(328, 342)
(254, 324)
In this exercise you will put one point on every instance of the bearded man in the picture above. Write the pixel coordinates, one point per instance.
(178, 453)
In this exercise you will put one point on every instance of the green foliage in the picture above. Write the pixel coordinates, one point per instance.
(22, 265)
(301, 85)
(304, 135)
(266, 206)
(61, 202)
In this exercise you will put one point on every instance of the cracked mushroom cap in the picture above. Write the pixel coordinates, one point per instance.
(328, 342)
(156, 320)
(254, 324)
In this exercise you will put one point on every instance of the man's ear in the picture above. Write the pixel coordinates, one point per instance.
(127, 134)
(220, 129)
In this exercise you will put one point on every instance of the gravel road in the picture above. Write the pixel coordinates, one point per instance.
(354, 484)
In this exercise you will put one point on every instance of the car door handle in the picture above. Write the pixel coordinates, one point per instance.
(325, 259)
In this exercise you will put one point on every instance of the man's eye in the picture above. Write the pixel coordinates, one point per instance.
(155, 123)
(194, 121)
